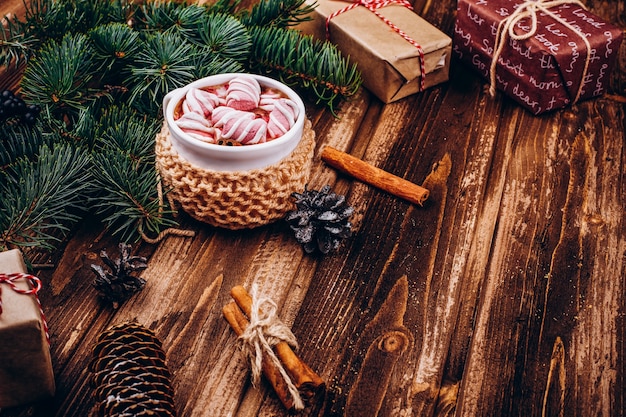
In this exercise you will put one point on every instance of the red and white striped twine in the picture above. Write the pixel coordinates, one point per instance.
(36, 286)
(373, 6)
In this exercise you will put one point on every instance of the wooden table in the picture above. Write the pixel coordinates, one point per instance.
(509, 284)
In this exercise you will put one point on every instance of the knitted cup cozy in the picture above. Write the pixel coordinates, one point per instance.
(238, 199)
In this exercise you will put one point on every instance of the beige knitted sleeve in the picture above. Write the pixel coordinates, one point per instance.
(235, 200)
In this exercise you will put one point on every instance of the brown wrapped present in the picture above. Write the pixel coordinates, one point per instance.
(563, 56)
(385, 44)
(26, 368)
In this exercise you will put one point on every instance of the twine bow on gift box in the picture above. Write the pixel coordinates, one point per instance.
(526, 10)
(373, 6)
(35, 284)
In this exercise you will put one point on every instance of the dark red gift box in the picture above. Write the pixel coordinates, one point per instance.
(566, 57)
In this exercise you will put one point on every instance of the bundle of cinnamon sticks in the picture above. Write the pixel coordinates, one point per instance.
(308, 383)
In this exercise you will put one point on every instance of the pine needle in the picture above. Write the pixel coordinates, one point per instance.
(58, 78)
(318, 67)
(42, 198)
(99, 71)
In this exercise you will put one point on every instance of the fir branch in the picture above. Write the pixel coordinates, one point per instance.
(58, 77)
(84, 59)
(171, 16)
(17, 46)
(281, 13)
(81, 132)
(318, 67)
(18, 141)
(41, 198)
(114, 44)
(163, 65)
(207, 63)
(46, 20)
(52, 19)
(121, 11)
(128, 197)
(76, 134)
(224, 6)
(224, 35)
(122, 129)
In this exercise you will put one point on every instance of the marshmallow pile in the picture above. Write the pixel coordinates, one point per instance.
(240, 112)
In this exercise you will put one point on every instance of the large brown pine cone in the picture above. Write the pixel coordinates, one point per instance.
(130, 375)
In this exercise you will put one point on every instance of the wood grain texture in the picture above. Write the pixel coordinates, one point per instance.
(383, 340)
(513, 296)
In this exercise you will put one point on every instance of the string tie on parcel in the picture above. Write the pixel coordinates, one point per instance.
(264, 332)
(373, 6)
(35, 285)
(529, 9)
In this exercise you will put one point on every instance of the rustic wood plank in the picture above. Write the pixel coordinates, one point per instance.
(513, 300)
(541, 259)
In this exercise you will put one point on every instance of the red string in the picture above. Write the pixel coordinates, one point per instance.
(35, 284)
(373, 6)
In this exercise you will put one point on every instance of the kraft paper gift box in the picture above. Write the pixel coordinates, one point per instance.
(389, 64)
(26, 372)
(551, 69)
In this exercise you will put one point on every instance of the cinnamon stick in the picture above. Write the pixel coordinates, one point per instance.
(239, 322)
(308, 383)
(372, 175)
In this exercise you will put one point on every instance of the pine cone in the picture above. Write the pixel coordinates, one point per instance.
(129, 373)
(321, 219)
(118, 284)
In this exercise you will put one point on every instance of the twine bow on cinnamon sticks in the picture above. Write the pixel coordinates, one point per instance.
(267, 343)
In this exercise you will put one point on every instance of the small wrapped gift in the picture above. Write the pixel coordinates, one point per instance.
(25, 366)
(548, 54)
(391, 45)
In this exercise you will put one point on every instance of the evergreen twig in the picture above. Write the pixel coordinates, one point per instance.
(58, 78)
(171, 16)
(283, 13)
(42, 198)
(85, 58)
(19, 141)
(163, 65)
(300, 60)
(46, 20)
(114, 45)
(128, 196)
(223, 35)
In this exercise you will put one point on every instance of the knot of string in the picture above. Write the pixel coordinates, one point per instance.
(529, 9)
(373, 6)
(264, 332)
(35, 286)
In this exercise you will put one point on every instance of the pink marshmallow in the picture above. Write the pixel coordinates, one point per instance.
(220, 91)
(268, 97)
(198, 127)
(244, 93)
(240, 126)
(200, 101)
(282, 117)
(204, 136)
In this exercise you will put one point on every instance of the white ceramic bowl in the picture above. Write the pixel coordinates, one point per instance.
(232, 158)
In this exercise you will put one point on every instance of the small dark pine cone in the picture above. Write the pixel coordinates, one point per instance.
(321, 219)
(129, 373)
(117, 285)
